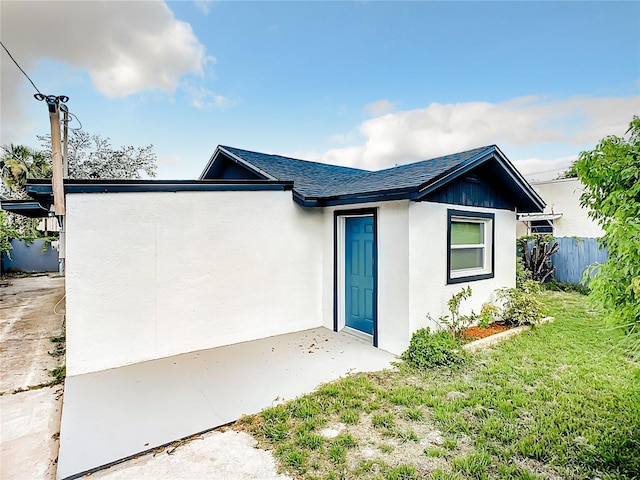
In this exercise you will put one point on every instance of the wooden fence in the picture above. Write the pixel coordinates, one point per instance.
(573, 257)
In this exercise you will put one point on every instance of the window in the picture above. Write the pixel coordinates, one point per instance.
(470, 246)
(541, 226)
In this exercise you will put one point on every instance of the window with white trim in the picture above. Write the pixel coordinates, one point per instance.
(470, 246)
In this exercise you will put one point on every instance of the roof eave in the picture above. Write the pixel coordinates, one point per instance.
(366, 197)
(27, 208)
(42, 188)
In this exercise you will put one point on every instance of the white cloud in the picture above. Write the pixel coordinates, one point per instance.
(539, 169)
(440, 129)
(203, 5)
(202, 98)
(378, 108)
(126, 47)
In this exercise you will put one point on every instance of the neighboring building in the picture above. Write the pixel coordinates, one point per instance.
(262, 245)
(576, 233)
(563, 215)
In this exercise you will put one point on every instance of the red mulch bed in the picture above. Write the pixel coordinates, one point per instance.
(475, 333)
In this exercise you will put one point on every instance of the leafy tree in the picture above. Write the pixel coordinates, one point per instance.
(91, 156)
(611, 177)
(17, 164)
(7, 233)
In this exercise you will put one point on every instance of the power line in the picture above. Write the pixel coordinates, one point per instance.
(77, 119)
(25, 73)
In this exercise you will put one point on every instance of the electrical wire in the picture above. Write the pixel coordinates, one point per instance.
(56, 305)
(25, 73)
(77, 119)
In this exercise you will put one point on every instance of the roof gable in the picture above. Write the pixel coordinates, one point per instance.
(320, 184)
(310, 178)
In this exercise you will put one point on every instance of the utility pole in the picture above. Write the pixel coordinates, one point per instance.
(65, 151)
(57, 181)
(56, 152)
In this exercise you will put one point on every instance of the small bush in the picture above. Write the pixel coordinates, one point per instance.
(428, 349)
(456, 323)
(521, 306)
(488, 314)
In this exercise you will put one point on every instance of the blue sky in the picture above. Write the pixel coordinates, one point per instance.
(367, 84)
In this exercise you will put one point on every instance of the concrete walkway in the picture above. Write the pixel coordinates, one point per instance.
(30, 419)
(115, 414)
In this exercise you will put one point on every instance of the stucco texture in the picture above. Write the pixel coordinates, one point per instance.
(157, 274)
(151, 275)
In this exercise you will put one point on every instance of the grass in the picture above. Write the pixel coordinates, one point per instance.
(559, 401)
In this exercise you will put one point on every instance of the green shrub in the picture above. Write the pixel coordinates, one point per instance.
(521, 306)
(456, 323)
(522, 274)
(428, 349)
(488, 314)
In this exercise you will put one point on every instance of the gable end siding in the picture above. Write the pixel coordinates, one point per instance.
(478, 188)
(227, 169)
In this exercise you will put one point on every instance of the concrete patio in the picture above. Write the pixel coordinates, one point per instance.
(115, 414)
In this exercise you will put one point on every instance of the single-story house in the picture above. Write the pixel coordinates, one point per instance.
(262, 245)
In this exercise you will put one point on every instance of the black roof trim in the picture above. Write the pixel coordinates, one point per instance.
(27, 208)
(379, 196)
(42, 187)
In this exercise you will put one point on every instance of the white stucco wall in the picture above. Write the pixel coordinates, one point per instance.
(428, 289)
(563, 196)
(412, 263)
(151, 275)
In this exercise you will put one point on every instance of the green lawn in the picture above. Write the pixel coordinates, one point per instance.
(559, 401)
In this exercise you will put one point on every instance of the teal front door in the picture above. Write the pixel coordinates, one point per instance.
(359, 274)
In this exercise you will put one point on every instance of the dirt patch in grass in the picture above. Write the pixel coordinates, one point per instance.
(476, 333)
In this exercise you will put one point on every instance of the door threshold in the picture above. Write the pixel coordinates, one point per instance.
(357, 333)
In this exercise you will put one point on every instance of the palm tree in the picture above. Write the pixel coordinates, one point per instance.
(19, 163)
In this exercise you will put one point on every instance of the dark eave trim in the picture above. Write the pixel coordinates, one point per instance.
(36, 188)
(355, 198)
(27, 208)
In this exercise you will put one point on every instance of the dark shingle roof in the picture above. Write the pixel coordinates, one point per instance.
(313, 180)
(407, 176)
(309, 178)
